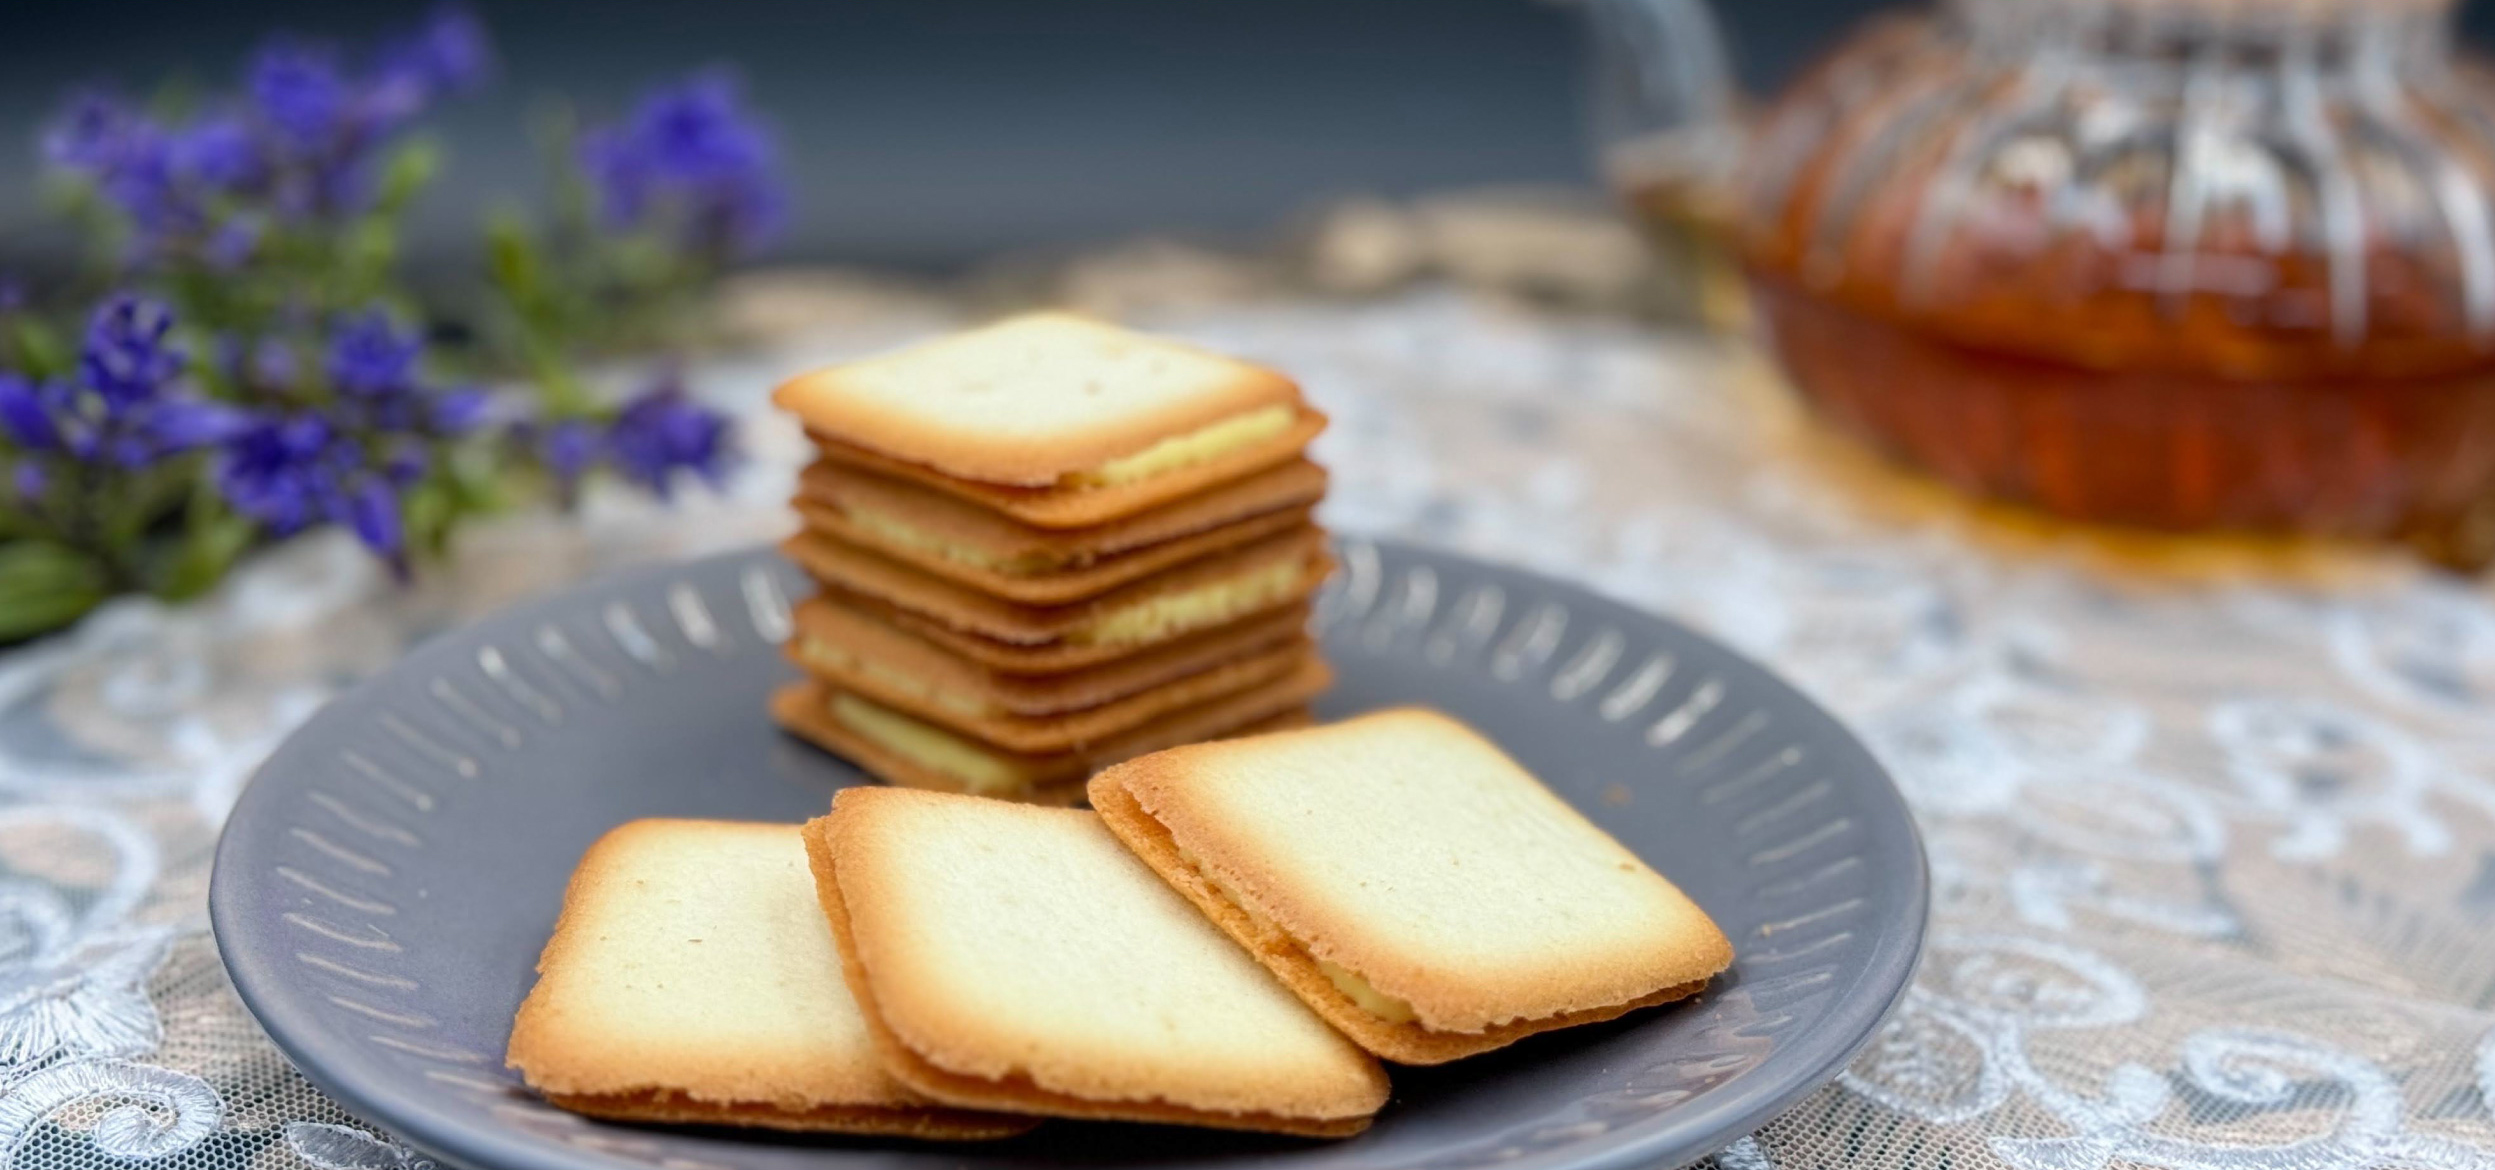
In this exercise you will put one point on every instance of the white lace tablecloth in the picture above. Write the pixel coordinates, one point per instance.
(2213, 839)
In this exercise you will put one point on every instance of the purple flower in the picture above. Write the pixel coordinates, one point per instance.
(694, 158)
(347, 461)
(286, 471)
(663, 432)
(448, 53)
(457, 412)
(371, 358)
(92, 134)
(129, 160)
(303, 140)
(121, 410)
(160, 181)
(454, 47)
(232, 244)
(292, 470)
(145, 191)
(654, 436)
(219, 152)
(258, 367)
(298, 91)
(374, 366)
(30, 481)
(184, 424)
(568, 447)
(700, 131)
(327, 126)
(26, 413)
(406, 464)
(373, 511)
(316, 129)
(127, 357)
(273, 365)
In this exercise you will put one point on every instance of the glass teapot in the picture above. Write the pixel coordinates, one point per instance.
(1666, 113)
(2186, 264)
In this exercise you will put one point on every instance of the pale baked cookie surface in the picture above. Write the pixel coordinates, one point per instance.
(1414, 884)
(1040, 399)
(1017, 957)
(692, 977)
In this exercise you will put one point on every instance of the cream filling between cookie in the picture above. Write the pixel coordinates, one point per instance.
(1362, 994)
(981, 772)
(893, 532)
(1217, 438)
(839, 660)
(1369, 999)
(1169, 614)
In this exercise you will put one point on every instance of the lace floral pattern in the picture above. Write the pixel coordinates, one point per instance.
(2214, 857)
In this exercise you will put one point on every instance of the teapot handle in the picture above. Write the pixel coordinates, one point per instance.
(1662, 72)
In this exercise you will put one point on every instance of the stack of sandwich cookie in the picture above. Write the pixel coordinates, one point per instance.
(1048, 545)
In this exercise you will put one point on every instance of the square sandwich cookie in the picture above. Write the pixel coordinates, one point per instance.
(1418, 888)
(995, 554)
(692, 979)
(1018, 958)
(837, 641)
(1056, 420)
(1060, 588)
(915, 753)
(1046, 659)
(1080, 504)
(1265, 575)
(1069, 730)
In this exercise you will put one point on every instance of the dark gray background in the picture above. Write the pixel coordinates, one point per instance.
(928, 133)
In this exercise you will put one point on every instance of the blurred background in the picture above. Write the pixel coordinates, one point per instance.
(933, 134)
(2182, 266)
(936, 133)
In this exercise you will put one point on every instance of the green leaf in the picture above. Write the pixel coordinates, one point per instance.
(209, 547)
(558, 387)
(513, 257)
(478, 481)
(410, 170)
(40, 351)
(365, 253)
(428, 511)
(45, 586)
(136, 501)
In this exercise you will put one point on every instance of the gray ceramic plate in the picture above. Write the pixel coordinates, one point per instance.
(384, 885)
